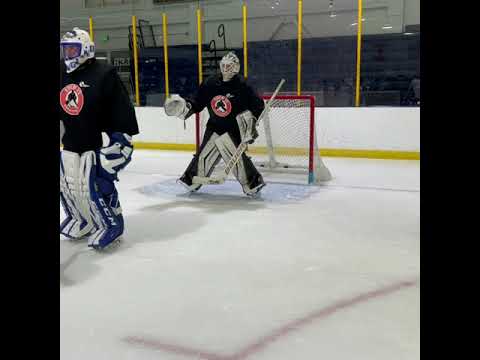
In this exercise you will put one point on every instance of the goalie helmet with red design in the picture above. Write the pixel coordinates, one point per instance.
(77, 47)
(229, 66)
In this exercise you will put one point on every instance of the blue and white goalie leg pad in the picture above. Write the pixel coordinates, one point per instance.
(104, 205)
(74, 198)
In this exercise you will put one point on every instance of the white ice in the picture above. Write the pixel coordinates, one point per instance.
(301, 273)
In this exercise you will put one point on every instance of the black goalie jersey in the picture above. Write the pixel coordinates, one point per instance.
(93, 100)
(225, 100)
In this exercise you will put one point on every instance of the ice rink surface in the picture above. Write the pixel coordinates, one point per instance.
(302, 273)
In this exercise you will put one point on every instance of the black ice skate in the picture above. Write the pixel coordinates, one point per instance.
(253, 189)
(186, 181)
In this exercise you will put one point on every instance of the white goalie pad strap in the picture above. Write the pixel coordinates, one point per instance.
(209, 157)
(246, 123)
(87, 163)
(175, 105)
(79, 221)
(227, 148)
(62, 131)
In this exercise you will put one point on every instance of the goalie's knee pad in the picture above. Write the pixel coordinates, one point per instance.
(78, 222)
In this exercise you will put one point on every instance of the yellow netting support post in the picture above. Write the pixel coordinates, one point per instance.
(165, 53)
(199, 37)
(90, 23)
(135, 59)
(299, 50)
(359, 53)
(245, 48)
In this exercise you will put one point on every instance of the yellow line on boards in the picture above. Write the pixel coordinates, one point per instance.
(349, 153)
(164, 146)
(371, 154)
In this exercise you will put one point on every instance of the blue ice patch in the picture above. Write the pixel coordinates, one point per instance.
(273, 192)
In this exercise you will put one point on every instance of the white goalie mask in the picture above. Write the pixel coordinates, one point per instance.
(77, 47)
(229, 66)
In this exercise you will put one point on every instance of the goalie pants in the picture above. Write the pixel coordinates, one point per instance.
(208, 156)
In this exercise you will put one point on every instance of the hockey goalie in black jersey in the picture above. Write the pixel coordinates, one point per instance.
(234, 108)
(92, 101)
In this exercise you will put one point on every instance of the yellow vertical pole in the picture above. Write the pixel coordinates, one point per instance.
(359, 53)
(199, 36)
(299, 51)
(135, 59)
(200, 77)
(245, 49)
(90, 22)
(165, 53)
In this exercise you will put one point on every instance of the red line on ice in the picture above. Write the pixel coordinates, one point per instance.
(172, 348)
(273, 336)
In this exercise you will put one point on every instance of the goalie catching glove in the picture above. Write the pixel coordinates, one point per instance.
(177, 106)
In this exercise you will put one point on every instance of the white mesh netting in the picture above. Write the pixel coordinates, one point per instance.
(287, 140)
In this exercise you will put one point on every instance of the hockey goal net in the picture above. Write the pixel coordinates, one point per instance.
(287, 142)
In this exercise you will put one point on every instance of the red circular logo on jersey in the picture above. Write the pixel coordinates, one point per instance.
(71, 99)
(221, 105)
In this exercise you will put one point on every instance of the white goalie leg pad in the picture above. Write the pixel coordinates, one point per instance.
(227, 148)
(209, 157)
(78, 223)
